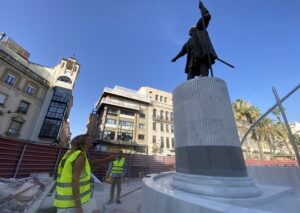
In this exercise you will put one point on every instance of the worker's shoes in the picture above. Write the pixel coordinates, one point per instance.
(110, 201)
(118, 201)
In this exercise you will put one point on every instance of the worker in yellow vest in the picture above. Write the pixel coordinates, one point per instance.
(117, 168)
(73, 188)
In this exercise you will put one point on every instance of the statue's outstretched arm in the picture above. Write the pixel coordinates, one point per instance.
(205, 15)
(182, 52)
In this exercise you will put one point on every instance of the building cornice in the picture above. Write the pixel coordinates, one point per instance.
(18, 65)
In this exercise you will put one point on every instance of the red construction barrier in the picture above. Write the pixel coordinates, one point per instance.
(19, 159)
(282, 163)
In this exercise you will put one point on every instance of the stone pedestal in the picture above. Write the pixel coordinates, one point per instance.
(209, 158)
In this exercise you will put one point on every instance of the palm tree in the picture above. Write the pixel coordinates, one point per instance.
(297, 140)
(281, 128)
(253, 114)
(276, 112)
(246, 114)
(265, 132)
(239, 108)
(282, 135)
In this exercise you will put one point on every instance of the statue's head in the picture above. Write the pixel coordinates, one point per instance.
(192, 30)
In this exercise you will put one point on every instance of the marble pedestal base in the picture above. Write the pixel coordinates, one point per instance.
(228, 187)
(160, 196)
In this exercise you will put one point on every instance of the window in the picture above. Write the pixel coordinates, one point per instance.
(112, 111)
(109, 135)
(10, 79)
(161, 98)
(50, 128)
(154, 126)
(162, 127)
(167, 127)
(153, 139)
(65, 79)
(171, 114)
(142, 115)
(124, 136)
(167, 115)
(156, 97)
(23, 107)
(172, 128)
(167, 142)
(172, 142)
(141, 137)
(125, 112)
(56, 113)
(3, 99)
(56, 110)
(161, 114)
(141, 126)
(70, 65)
(29, 90)
(154, 113)
(126, 124)
(111, 121)
(61, 95)
(165, 99)
(162, 142)
(14, 128)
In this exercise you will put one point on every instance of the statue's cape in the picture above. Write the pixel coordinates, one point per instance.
(202, 46)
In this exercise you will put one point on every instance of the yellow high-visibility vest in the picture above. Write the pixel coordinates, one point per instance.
(118, 166)
(64, 195)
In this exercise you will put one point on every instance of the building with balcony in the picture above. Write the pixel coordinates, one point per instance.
(161, 131)
(35, 100)
(120, 121)
(134, 121)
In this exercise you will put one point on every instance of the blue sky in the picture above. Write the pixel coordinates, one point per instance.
(130, 43)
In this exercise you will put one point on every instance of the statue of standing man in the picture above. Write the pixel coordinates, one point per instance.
(199, 49)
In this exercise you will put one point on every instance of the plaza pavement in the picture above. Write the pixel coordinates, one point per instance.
(131, 202)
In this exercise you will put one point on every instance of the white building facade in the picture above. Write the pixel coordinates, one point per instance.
(35, 100)
(295, 128)
(134, 121)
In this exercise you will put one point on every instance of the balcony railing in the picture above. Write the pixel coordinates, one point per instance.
(162, 118)
(120, 103)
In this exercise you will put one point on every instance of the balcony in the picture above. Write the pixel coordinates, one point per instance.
(162, 118)
(119, 103)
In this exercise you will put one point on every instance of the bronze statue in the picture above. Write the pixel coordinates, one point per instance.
(199, 49)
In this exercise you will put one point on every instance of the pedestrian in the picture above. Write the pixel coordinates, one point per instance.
(73, 186)
(117, 168)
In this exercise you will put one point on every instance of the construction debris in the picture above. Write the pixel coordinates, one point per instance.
(18, 195)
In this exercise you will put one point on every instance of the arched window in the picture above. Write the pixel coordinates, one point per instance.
(65, 79)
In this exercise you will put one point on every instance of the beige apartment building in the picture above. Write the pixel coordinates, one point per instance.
(35, 100)
(134, 121)
(161, 131)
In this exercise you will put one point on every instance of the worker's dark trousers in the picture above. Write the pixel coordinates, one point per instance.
(118, 181)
